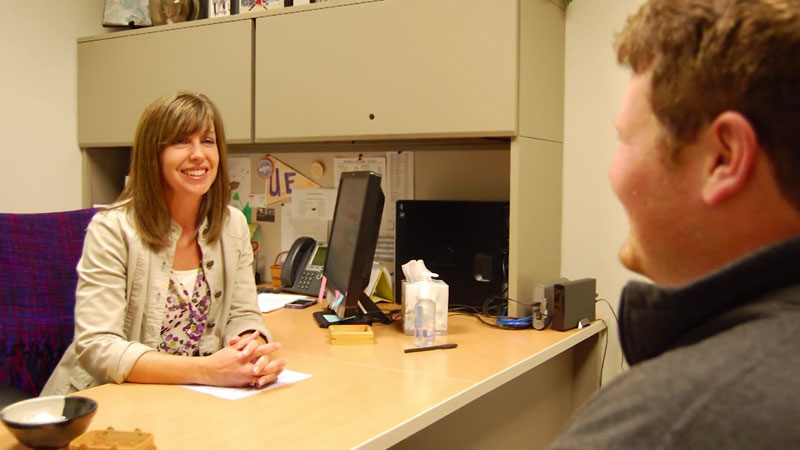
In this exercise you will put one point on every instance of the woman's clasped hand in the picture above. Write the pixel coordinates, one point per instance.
(245, 361)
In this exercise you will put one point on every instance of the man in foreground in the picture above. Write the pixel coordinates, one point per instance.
(708, 170)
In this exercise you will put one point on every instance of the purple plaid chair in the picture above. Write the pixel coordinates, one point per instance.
(38, 257)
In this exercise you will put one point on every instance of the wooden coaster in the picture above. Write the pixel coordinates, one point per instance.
(351, 334)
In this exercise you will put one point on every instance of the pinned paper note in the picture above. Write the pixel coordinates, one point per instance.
(313, 203)
(239, 174)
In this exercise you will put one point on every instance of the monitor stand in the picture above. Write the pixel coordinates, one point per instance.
(369, 313)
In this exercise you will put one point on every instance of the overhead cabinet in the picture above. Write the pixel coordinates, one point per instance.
(118, 76)
(361, 70)
(385, 69)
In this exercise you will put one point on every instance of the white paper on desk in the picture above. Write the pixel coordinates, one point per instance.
(270, 302)
(231, 393)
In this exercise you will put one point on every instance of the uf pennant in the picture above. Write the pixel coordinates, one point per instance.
(283, 180)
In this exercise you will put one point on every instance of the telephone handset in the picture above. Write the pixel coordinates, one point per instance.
(302, 269)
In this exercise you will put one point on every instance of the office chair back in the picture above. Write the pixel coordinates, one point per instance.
(39, 254)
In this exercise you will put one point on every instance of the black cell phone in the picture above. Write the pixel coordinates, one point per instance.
(301, 303)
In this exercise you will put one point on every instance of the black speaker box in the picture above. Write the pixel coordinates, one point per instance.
(573, 301)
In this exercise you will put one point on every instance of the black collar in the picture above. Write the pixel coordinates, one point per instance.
(654, 319)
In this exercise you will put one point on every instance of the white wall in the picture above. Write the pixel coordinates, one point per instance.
(40, 158)
(594, 223)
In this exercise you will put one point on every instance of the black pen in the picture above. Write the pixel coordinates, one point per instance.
(432, 347)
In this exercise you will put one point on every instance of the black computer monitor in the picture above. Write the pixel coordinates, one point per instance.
(351, 249)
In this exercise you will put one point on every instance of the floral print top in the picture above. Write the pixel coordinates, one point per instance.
(188, 303)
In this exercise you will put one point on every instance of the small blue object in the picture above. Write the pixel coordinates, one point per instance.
(332, 318)
(338, 300)
(509, 322)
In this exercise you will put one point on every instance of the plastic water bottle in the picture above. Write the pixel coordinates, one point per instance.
(424, 322)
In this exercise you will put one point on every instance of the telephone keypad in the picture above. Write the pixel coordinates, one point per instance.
(304, 281)
(307, 282)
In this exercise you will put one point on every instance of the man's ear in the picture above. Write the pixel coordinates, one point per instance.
(733, 148)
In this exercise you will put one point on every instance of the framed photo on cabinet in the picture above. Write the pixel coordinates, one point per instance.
(134, 13)
(220, 8)
(251, 6)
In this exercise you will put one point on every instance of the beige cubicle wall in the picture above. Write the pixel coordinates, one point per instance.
(482, 174)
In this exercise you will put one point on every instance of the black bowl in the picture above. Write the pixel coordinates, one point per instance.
(49, 422)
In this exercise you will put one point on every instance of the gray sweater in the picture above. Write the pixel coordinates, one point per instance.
(715, 364)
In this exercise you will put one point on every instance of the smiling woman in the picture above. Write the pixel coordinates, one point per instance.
(166, 292)
(166, 128)
(189, 167)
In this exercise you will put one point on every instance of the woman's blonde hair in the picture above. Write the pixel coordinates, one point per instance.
(167, 120)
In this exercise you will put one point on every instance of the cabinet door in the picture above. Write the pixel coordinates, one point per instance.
(410, 68)
(119, 76)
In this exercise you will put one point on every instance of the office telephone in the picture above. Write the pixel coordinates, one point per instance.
(302, 269)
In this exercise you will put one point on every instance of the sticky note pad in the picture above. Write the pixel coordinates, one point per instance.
(332, 318)
(338, 300)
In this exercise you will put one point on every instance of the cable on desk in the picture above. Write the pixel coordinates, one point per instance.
(603, 360)
(454, 307)
(394, 314)
(491, 308)
(608, 334)
(494, 307)
(494, 310)
(614, 313)
(515, 322)
(477, 316)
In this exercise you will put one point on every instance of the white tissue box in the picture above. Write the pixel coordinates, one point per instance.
(439, 295)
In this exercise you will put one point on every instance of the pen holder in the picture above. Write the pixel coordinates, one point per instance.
(439, 294)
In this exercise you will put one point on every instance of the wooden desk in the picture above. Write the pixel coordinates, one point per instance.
(498, 388)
